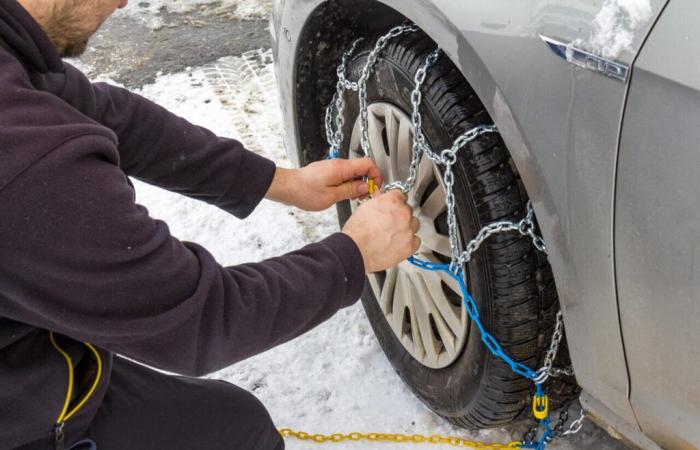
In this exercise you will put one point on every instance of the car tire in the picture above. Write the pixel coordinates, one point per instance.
(509, 279)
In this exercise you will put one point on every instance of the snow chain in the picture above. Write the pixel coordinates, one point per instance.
(446, 158)
(407, 438)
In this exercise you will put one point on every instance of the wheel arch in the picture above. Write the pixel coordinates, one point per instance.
(329, 31)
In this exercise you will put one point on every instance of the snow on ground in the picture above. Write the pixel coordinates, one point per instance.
(616, 23)
(152, 12)
(335, 378)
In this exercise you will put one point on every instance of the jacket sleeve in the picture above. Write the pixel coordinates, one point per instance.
(79, 257)
(165, 150)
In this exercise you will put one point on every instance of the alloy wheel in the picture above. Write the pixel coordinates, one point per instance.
(423, 308)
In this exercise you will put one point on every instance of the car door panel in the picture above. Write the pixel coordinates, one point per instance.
(657, 230)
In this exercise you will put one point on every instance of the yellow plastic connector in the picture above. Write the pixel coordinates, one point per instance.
(372, 187)
(540, 407)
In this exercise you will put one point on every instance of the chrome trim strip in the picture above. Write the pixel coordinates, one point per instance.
(587, 60)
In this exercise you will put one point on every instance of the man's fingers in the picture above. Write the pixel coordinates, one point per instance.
(415, 225)
(398, 195)
(416, 244)
(363, 167)
(351, 190)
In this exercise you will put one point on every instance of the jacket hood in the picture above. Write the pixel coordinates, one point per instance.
(24, 36)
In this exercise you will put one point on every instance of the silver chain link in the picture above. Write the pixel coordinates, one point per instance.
(547, 370)
(576, 425)
(367, 71)
(335, 136)
(446, 159)
(420, 144)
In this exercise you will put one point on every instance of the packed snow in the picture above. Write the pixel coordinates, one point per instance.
(615, 25)
(336, 377)
(154, 12)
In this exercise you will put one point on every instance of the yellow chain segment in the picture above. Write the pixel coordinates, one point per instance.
(403, 438)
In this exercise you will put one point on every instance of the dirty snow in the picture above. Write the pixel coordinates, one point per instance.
(335, 378)
(154, 12)
(615, 26)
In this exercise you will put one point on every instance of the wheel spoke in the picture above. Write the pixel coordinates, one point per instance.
(435, 203)
(405, 140)
(450, 315)
(449, 281)
(423, 179)
(398, 132)
(405, 285)
(355, 148)
(392, 130)
(425, 307)
(376, 143)
(420, 321)
(386, 292)
(401, 295)
(431, 240)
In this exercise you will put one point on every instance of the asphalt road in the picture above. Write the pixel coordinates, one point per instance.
(133, 54)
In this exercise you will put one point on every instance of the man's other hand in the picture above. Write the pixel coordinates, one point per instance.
(385, 230)
(321, 184)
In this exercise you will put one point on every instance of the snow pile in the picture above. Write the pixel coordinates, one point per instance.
(615, 25)
(243, 8)
(152, 12)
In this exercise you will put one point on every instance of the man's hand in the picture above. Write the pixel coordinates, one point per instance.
(323, 183)
(385, 231)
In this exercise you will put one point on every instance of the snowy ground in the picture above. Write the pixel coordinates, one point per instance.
(154, 13)
(335, 378)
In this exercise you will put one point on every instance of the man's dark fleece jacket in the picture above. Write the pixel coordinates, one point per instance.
(81, 262)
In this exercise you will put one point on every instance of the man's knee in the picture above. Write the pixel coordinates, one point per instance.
(178, 413)
(248, 419)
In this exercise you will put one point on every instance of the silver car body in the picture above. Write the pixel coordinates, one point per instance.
(612, 168)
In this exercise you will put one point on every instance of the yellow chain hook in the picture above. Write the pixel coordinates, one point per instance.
(540, 407)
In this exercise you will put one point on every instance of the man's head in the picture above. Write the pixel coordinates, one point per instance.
(70, 23)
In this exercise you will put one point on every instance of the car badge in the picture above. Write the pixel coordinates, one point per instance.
(588, 60)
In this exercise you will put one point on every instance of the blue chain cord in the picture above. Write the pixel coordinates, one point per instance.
(492, 344)
(487, 338)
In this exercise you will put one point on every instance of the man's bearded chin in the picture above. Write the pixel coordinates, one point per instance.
(69, 44)
(66, 34)
(74, 49)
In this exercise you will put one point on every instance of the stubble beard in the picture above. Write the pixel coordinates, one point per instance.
(65, 26)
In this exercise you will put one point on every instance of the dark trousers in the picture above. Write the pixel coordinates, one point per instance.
(147, 410)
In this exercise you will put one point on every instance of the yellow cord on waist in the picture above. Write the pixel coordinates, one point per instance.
(69, 391)
(93, 388)
(65, 414)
